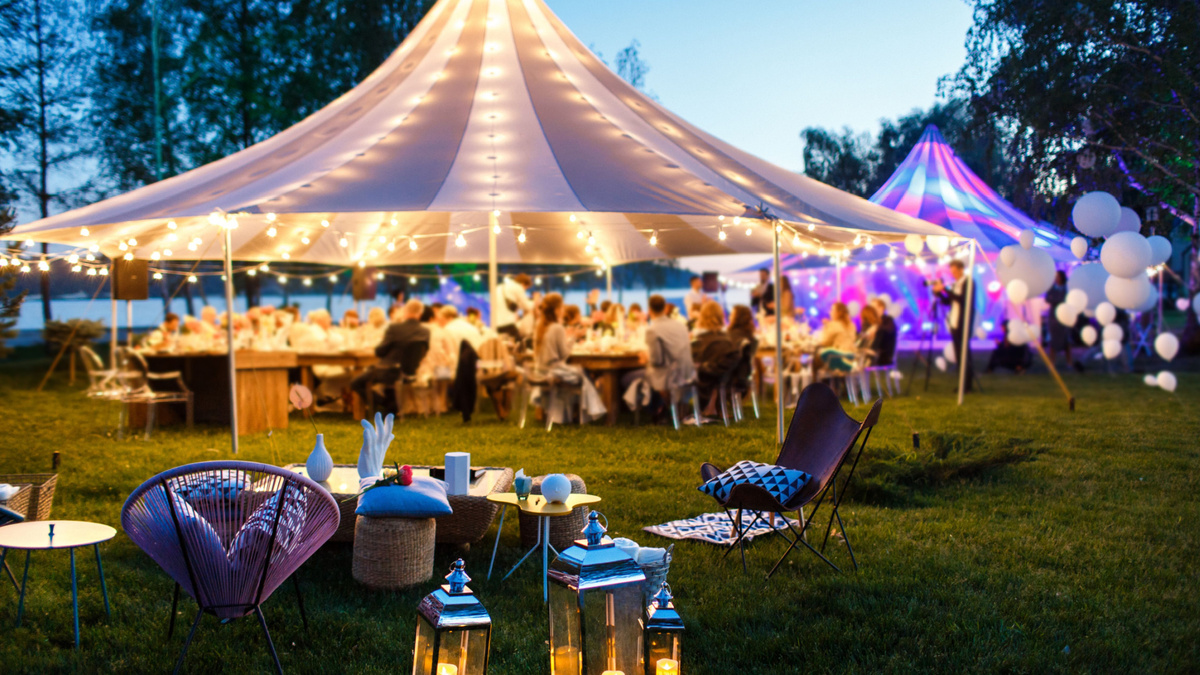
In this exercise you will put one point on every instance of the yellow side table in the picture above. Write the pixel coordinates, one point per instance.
(536, 505)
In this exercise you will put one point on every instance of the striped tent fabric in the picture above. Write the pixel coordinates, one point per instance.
(935, 185)
(490, 116)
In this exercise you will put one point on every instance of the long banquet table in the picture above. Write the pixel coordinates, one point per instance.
(606, 368)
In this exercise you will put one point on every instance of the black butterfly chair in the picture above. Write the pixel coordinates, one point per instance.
(820, 438)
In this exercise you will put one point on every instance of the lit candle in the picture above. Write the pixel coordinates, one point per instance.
(566, 660)
(667, 667)
(613, 672)
(451, 669)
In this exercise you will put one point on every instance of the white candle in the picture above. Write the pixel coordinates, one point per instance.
(449, 669)
(667, 667)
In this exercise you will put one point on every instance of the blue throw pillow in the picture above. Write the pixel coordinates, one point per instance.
(425, 498)
(783, 484)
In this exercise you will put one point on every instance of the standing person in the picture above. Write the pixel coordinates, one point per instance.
(762, 296)
(398, 351)
(962, 313)
(694, 299)
(1060, 335)
(512, 301)
(787, 299)
(885, 335)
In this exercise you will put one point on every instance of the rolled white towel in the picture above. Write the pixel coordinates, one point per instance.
(650, 556)
(627, 546)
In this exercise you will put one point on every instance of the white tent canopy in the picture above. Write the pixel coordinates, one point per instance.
(488, 107)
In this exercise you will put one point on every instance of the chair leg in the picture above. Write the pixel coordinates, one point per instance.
(738, 415)
(174, 609)
(270, 644)
(521, 399)
(151, 411)
(188, 642)
(675, 411)
(548, 409)
(724, 407)
(300, 602)
(696, 403)
(754, 400)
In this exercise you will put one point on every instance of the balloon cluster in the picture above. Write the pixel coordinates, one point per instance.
(1125, 256)
(1025, 271)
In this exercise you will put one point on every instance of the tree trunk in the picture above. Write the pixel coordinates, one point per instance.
(43, 150)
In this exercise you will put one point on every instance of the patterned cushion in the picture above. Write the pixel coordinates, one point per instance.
(782, 483)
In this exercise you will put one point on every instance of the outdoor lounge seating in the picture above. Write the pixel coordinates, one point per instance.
(229, 533)
(819, 440)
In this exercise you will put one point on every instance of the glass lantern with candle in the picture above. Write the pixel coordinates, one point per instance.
(595, 608)
(662, 629)
(454, 631)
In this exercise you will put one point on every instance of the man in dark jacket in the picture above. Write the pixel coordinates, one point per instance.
(962, 309)
(404, 344)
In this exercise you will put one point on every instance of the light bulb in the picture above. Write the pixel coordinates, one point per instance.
(749, 231)
(496, 229)
(778, 227)
(521, 237)
(129, 256)
(251, 272)
(83, 232)
(475, 277)
(812, 227)
(721, 235)
(379, 276)
(166, 251)
(282, 279)
(271, 232)
(343, 242)
(333, 278)
(460, 241)
(412, 280)
(382, 239)
(324, 223)
(567, 278)
(171, 236)
(737, 220)
(103, 271)
(796, 240)
(191, 278)
(721, 218)
(412, 244)
(496, 213)
(307, 282)
(286, 256)
(155, 256)
(391, 246)
(123, 246)
(171, 225)
(572, 218)
(264, 268)
(654, 238)
(91, 271)
(579, 234)
(270, 217)
(157, 275)
(591, 240)
(73, 258)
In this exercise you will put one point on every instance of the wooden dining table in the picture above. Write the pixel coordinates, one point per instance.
(606, 369)
(262, 385)
(354, 360)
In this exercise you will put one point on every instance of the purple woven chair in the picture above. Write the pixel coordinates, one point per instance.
(229, 534)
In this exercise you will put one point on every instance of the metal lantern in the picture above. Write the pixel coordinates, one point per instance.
(595, 607)
(454, 631)
(661, 633)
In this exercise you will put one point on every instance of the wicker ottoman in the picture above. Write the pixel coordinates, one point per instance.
(393, 553)
(564, 530)
(472, 516)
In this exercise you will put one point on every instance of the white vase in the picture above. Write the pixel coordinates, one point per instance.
(319, 464)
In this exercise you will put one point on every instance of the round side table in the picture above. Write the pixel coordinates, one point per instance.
(48, 535)
(536, 505)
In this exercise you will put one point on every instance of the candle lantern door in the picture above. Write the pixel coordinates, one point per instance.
(595, 608)
(454, 631)
(662, 629)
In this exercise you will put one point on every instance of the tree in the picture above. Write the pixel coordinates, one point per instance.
(10, 298)
(843, 159)
(1095, 90)
(43, 54)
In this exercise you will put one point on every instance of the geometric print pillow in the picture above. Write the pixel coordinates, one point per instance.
(782, 483)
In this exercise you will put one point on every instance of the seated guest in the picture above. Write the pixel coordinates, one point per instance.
(573, 322)
(713, 353)
(475, 319)
(350, 319)
(885, 335)
(635, 324)
(836, 346)
(668, 357)
(868, 323)
(741, 325)
(614, 321)
(402, 349)
(164, 337)
(527, 321)
(370, 334)
(458, 330)
(551, 346)
(437, 368)
(1007, 355)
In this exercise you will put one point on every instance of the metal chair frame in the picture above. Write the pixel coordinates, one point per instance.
(137, 381)
(10, 517)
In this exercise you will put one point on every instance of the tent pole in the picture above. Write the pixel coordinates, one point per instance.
(608, 281)
(838, 270)
(129, 319)
(777, 275)
(967, 321)
(112, 349)
(493, 221)
(233, 411)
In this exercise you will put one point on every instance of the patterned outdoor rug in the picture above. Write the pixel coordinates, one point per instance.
(717, 528)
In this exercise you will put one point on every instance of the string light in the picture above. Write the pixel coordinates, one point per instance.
(721, 235)
(166, 252)
(271, 218)
(749, 231)
(812, 227)
(460, 241)
(379, 276)
(157, 276)
(271, 232)
(796, 240)
(91, 271)
(73, 258)
(191, 278)
(24, 269)
(496, 228)
(132, 241)
(572, 218)
(171, 236)
(412, 280)
(521, 236)
(171, 225)
(264, 268)
(128, 256)
(282, 279)
(123, 246)
(305, 240)
(103, 271)
(155, 256)
(83, 232)
(43, 266)
(362, 264)
(28, 243)
(654, 238)
(391, 246)
(343, 242)
(286, 256)
(307, 282)
(333, 278)
(324, 223)
(382, 239)
(251, 272)
(567, 278)
(412, 244)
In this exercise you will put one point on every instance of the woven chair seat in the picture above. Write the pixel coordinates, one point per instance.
(391, 553)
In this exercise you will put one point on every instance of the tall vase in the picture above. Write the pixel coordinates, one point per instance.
(319, 463)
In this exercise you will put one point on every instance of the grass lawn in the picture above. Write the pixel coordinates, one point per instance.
(1079, 557)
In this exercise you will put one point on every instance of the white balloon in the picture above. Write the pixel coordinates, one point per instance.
(1112, 349)
(887, 299)
(1018, 332)
(1008, 255)
(1166, 380)
(1033, 266)
(854, 307)
(1125, 254)
(896, 309)
(1017, 291)
(1089, 278)
(940, 362)
(1088, 335)
(938, 243)
(1105, 313)
(1160, 249)
(1128, 293)
(1066, 314)
(1151, 301)
(1130, 220)
(1167, 345)
(1096, 214)
(1182, 304)
(948, 352)
(1077, 298)
(1025, 239)
(913, 244)
(1079, 247)
(1113, 332)
(1150, 380)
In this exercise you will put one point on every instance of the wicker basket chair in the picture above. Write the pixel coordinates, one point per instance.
(229, 533)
